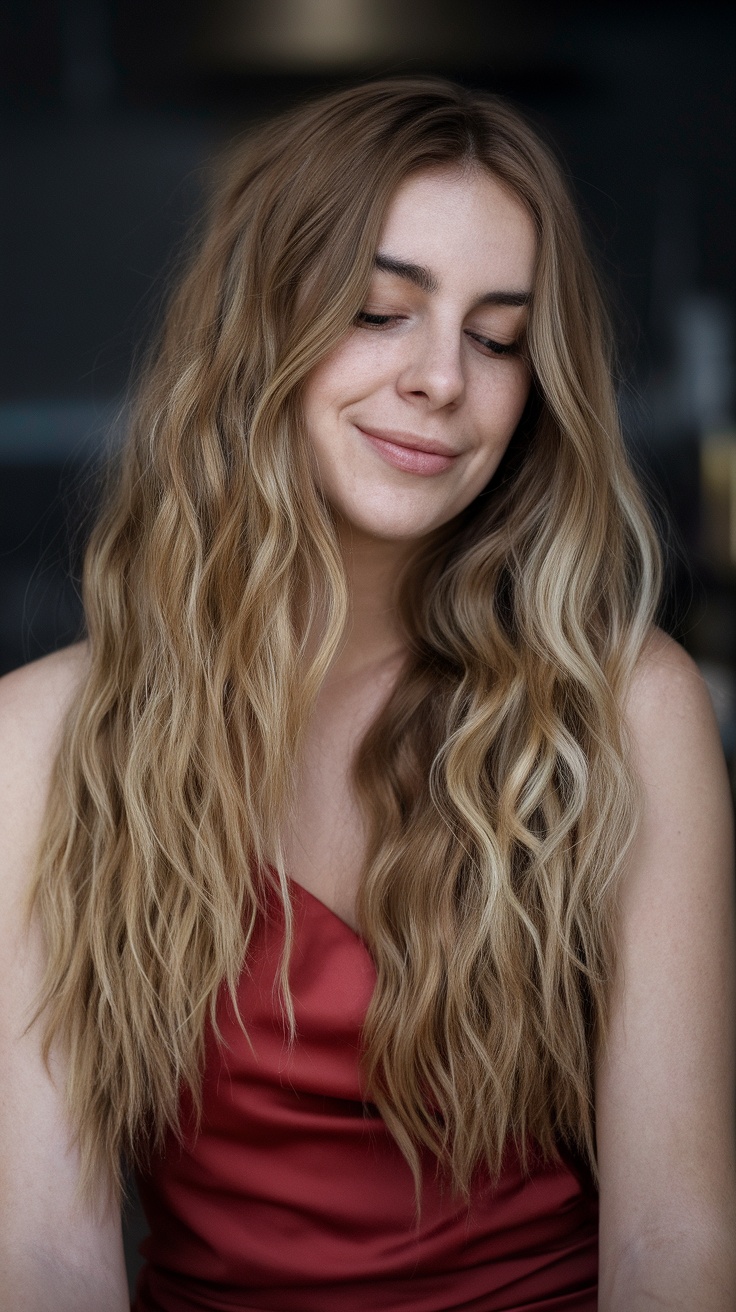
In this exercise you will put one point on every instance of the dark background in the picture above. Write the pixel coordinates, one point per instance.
(110, 114)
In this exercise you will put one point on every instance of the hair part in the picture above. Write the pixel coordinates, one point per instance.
(495, 780)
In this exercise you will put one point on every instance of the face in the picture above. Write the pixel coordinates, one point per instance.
(411, 413)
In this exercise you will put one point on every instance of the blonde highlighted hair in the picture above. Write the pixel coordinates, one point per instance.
(494, 781)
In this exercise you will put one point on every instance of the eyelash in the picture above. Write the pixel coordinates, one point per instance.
(374, 320)
(382, 320)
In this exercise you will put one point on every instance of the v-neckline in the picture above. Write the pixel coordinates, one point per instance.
(295, 884)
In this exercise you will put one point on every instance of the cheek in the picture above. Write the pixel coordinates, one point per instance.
(356, 368)
(520, 388)
(335, 374)
(503, 404)
(317, 393)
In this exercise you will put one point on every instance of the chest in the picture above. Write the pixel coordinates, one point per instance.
(325, 837)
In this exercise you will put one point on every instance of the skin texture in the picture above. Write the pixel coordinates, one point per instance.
(55, 1255)
(429, 371)
(433, 369)
(665, 1082)
(665, 1086)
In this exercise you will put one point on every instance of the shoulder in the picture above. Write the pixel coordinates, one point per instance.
(685, 833)
(665, 1078)
(666, 678)
(34, 701)
(53, 1252)
(35, 698)
(672, 726)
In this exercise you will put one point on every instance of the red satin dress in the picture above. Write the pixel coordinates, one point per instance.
(293, 1196)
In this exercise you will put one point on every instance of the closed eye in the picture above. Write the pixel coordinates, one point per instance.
(496, 348)
(374, 320)
(367, 320)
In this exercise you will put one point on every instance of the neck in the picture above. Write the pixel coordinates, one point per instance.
(373, 636)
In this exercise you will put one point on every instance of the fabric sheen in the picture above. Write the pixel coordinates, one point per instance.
(293, 1195)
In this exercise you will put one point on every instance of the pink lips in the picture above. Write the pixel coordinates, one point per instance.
(396, 450)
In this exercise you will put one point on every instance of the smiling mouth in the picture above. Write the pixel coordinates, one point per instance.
(402, 450)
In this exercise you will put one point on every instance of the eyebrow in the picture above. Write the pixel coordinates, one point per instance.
(426, 281)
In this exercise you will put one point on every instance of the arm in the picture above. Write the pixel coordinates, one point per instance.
(665, 1082)
(56, 1255)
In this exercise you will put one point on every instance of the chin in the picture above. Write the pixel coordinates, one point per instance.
(399, 533)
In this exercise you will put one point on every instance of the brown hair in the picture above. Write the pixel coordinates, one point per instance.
(495, 779)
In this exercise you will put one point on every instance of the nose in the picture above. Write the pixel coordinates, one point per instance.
(433, 371)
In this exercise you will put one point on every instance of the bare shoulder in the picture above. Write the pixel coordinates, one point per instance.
(665, 1083)
(666, 677)
(34, 698)
(54, 1252)
(671, 721)
(678, 757)
(33, 704)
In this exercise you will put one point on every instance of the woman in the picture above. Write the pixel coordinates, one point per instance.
(366, 871)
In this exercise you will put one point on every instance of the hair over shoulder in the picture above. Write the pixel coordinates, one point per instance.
(495, 781)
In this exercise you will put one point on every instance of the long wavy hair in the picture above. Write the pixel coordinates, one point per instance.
(494, 781)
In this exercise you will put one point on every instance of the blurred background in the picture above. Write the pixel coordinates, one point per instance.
(111, 112)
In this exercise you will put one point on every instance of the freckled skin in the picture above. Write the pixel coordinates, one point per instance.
(433, 367)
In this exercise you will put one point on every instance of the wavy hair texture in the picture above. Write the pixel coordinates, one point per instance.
(495, 778)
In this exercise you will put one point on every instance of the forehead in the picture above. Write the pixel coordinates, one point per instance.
(457, 220)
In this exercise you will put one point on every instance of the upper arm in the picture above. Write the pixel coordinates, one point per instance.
(665, 1080)
(54, 1250)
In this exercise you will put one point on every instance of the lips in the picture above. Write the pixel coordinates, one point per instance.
(409, 452)
(411, 441)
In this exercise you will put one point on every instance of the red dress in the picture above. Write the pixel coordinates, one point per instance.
(293, 1196)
